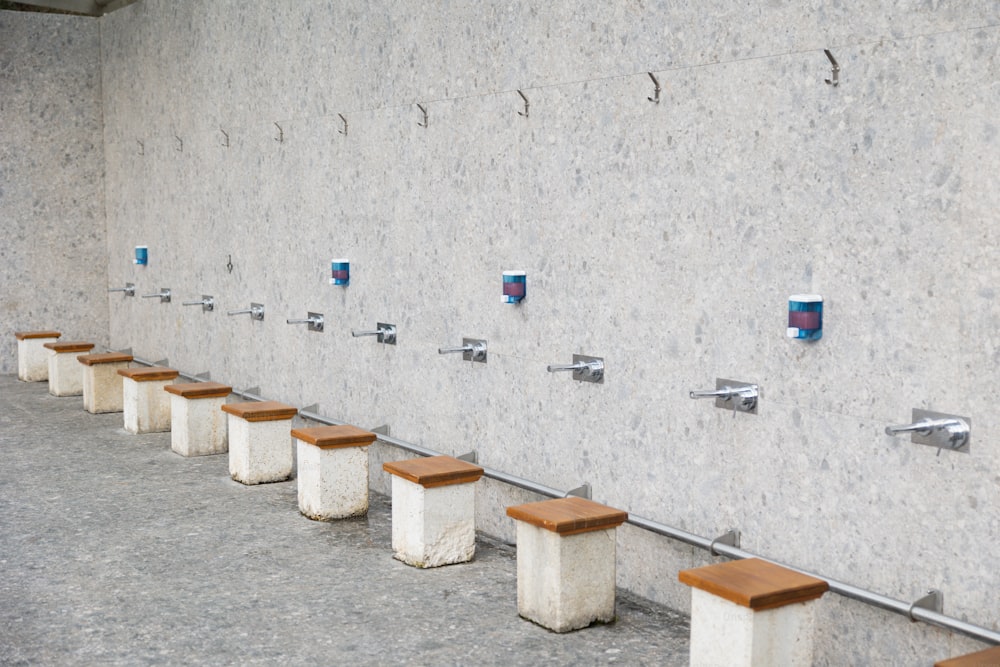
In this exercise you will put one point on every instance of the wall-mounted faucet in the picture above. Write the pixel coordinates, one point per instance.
(937, 429)
(314, 320)
(585, 369)
(256, 311)
(164, 295)
(386, 333)
(732, 395)
(473, 349)
(129, 289)
(207, 303)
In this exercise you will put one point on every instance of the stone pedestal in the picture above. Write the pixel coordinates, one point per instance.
(197, 422)
(260, 446)
(65, 374)
(987, 658)
(32, 357)
(433, 510)
(333, 471)
(751, 612)
(102, 386)
(566, 562)
(145, 404)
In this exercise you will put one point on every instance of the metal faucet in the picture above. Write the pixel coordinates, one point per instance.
(314, 320)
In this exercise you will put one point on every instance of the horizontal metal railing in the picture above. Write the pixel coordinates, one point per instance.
(713, 546)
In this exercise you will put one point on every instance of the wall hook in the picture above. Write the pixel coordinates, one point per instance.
(225, 134)
(655, 99)
(142, 147)
(526, 105)
(834, 79)
(229, 264)
(281, 134)
(180, 144)
(424, 111)
(344, 131)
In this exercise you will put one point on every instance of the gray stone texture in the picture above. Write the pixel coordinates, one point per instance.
(665, 238)
(53, 245)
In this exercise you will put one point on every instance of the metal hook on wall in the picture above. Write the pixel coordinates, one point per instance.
(229, 264)
(281, 134)
(226, 134)
(526, 105)
(344, 131)
(142, 147)
(423, 110)
(180, 144)
(656, 91)
(834, 79)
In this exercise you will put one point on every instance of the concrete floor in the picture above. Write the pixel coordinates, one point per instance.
(114, 550)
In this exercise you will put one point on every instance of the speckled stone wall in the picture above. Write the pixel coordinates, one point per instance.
(53, 249)
(664, 237)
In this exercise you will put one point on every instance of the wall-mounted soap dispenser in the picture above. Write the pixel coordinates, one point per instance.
(340, 272)
(141, 255)
(805, 316)
(515, 286)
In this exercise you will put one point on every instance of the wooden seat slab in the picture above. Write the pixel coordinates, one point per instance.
(70, 346)
(331, 437)
(261, 411)
(148, 374)
(25, 335)
(434, 471)
(103, 358)
(199, 389)
(754, 583)
(568, 516)
(987, 658)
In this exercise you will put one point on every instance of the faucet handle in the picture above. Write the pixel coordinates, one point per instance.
(585, 369)
(472, 349)
(743, 395)
(129, 289)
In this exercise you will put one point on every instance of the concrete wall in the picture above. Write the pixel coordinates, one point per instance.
(665, 238)
(53, 247)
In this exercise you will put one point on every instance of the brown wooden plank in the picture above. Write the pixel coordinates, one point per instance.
(986, 658)
(263, 411)
(754, 583)
(70, 346)
(434, 471)
(568, 516)
(25, 335)
(330, 437)
(199, 389)
(103, 358)
(148, 373)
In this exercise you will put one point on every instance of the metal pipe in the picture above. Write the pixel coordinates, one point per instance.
(840, 588)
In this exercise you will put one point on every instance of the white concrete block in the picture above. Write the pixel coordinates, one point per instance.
(260, 451)
(32, 357)
(65, 372)
(725, 633)
(433, 526)
(102, 386)
(146, 406)
(565, 582)
(198, 426)
(332, 482)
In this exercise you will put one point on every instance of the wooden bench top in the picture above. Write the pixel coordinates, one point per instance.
(568, 516)
(25, 335)
(148, 373)
(199, 389)
(103, 358)
(434, 471)
(70, 346)
(331, 437)
(987, 658)
(754, 583)
(261, 411)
